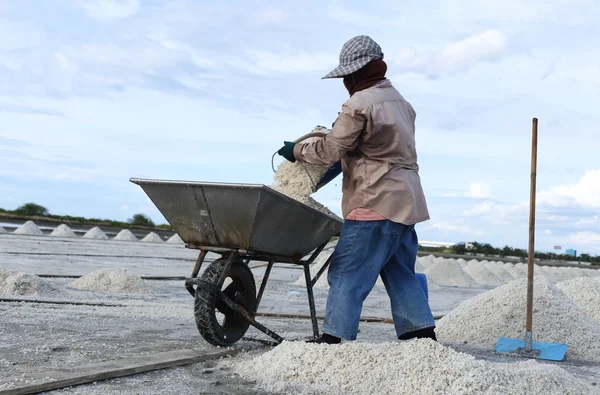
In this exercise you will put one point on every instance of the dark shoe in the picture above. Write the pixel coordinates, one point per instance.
(425, 333)
(326, 339)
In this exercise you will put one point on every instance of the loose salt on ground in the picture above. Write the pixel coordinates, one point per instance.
(23, 284)
(480, 273)
(63, 230)
(500, 312)
(95, 233)
(29, 228)
(175, 239)
(152, 238)
(125, 235)
(409, 367)
(449, 274)
(585, 293)
(110, 280)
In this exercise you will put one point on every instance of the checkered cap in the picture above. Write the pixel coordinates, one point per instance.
(355, 54)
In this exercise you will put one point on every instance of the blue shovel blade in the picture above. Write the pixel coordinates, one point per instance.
(540, 350)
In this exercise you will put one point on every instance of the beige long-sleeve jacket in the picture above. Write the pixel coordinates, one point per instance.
(374, 136)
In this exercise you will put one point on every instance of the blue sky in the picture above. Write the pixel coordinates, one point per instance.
(94, 92)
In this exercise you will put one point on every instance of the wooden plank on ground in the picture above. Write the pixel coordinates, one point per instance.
(55, 379)
(48, 301)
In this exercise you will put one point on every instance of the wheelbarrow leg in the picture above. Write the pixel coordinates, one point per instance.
(189, 282)
(311, 300)
(263, 284)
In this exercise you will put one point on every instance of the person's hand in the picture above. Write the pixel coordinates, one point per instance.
(287, 151)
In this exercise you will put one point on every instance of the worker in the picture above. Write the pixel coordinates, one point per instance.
(373, 138)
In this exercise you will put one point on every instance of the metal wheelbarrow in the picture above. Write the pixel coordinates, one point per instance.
(241, 223)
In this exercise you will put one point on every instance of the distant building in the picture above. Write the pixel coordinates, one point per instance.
(571, 252)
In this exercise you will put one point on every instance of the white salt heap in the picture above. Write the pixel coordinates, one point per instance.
(62, 230)
(152, 238)
(110, 280)
(175, 239)
(425, 261)
(95, 233)
(482, 275)
(23, 284)
(500, 312)
(125, 235)
(409, 367)
(449, 274)
(2, 230)
(498, 268)
(585, 293)
(28, 228)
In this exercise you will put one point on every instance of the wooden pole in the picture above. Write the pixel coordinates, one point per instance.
(530, 263)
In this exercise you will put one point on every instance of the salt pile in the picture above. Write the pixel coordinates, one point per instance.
(175, 239)
(425, 262)
(23, 284)
(498, 269)
(408, 367)
(2, 230)
(479, 272)
(500, 312)
(125, 235)
(462, 262)
(152, 238)
(95, 233)
(62, 230)
(110, 280)
(449, 274)
(585, 293)
(29, 228)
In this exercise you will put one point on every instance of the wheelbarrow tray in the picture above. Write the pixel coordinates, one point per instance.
(250, 217)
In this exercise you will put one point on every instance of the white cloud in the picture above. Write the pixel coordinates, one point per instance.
(447, 227)
(459, 56)
(585, 193)
(547, 232)
(480, 209)
(292, 62)
(585, 238)
(110, 9)
(478, 190)
(270, 16)
(464, 54)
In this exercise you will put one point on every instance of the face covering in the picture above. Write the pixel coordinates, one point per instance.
(366, 77)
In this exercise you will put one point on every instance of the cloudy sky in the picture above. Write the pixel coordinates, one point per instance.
(94, 92)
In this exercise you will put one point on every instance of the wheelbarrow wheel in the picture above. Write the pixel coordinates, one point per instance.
(217, 323)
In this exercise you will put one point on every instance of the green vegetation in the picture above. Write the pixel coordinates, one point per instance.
(141, 220)
(32, 209)
(488, 250)
(35, 211)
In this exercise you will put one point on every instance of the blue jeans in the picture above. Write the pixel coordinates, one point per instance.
(365, 250)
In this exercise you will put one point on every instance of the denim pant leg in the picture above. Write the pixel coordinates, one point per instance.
(410, 308)
(362, 251)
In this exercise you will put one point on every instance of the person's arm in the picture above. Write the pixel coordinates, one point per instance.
(344, 137)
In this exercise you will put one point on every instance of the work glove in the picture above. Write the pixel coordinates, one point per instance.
(287, 151)
(332, 172)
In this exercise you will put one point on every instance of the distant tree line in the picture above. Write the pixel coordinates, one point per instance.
(506, 251)
(36, 210)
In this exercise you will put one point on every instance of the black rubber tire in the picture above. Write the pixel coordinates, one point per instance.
(207, 300)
